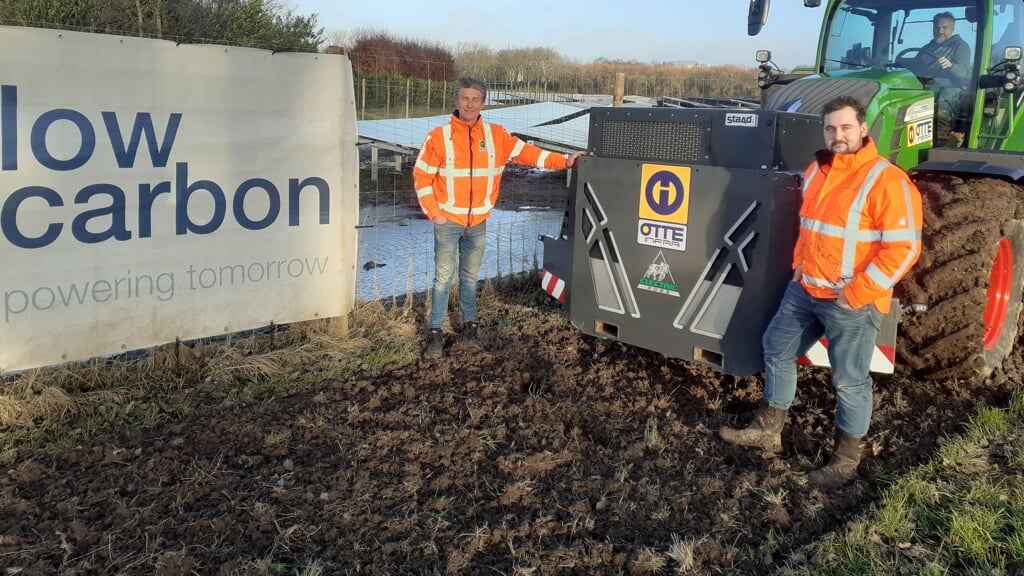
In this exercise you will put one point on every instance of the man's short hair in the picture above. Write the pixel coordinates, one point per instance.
(840, 102)
(944, 16)
(470, 82)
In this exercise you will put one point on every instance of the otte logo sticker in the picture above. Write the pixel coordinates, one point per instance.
(664, 206)
(659, 278)
(669, 236)
(745, 120)
(919, 133)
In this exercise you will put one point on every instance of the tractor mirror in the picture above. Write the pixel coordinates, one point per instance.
(757, 16)
(812, 3)
(1012, 53)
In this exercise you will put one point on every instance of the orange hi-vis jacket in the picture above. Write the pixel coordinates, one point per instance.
(458, 171)
(860, 227)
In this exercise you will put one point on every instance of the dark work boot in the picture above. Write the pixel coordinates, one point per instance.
(764, 432)
(842, 467)
(470, 336)
(435, 343)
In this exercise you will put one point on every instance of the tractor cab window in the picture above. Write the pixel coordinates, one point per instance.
(851, 39)
(935, 41)
(936, 44)
(1007, 28)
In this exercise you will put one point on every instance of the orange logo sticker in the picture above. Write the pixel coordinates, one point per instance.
(665, 193)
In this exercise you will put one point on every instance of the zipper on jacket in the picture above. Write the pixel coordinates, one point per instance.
(469, 212)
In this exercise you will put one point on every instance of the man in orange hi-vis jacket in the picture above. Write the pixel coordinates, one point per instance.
(457, 176)
(860, 232)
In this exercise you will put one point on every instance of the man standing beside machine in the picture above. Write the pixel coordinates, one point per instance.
(860, 232)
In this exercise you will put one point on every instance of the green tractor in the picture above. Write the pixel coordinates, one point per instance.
(678, 235)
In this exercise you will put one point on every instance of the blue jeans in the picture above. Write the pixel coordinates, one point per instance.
(800, 321)
(455, 243)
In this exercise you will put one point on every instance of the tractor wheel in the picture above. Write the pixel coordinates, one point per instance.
(970, 276)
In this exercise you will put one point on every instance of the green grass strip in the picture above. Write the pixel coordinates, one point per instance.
(962, 513)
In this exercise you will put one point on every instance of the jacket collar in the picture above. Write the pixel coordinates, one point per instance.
(867, 153)
(460, 123)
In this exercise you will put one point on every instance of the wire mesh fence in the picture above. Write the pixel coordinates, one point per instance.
(396, 112)
(386, 89)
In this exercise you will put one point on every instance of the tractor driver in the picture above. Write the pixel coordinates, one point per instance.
(945, 62)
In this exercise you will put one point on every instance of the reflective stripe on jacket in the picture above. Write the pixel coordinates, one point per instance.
(860, 227)
(459, 167)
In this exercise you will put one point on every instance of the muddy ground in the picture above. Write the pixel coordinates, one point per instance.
(547, 452)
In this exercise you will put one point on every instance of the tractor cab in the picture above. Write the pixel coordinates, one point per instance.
(931, 72)
(948, 46)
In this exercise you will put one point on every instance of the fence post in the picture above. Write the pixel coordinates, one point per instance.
(428, 96)
(620, 89)
(408, 85)
(364, 99)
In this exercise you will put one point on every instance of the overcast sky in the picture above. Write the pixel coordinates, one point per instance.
(710, 31)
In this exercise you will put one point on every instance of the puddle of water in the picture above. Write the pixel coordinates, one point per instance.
(396, 247)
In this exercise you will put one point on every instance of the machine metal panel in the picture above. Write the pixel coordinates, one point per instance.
(681, 229)
(736, 138)
(687, 219)
(697, 257)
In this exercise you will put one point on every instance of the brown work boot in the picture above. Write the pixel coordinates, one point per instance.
(435, 344)
(764, 432)
(842, 467)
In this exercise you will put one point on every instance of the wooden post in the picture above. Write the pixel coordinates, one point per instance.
(620, 89)
(408, 91)
(364, 99)
(373, 163)
(428, 96)
(387, 102)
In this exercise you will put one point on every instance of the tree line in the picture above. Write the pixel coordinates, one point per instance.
(259, 23)
(395, 68)
(392, 68)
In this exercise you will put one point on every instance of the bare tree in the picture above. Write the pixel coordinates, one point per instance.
(340, 38)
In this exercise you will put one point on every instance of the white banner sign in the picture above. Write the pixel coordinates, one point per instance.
(151, 191)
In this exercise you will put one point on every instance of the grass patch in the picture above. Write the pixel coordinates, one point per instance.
(270, 567)
(389, 178)
(648, 561)
(397, 110)
(58, 408)
(682, 551)
(962, 513)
